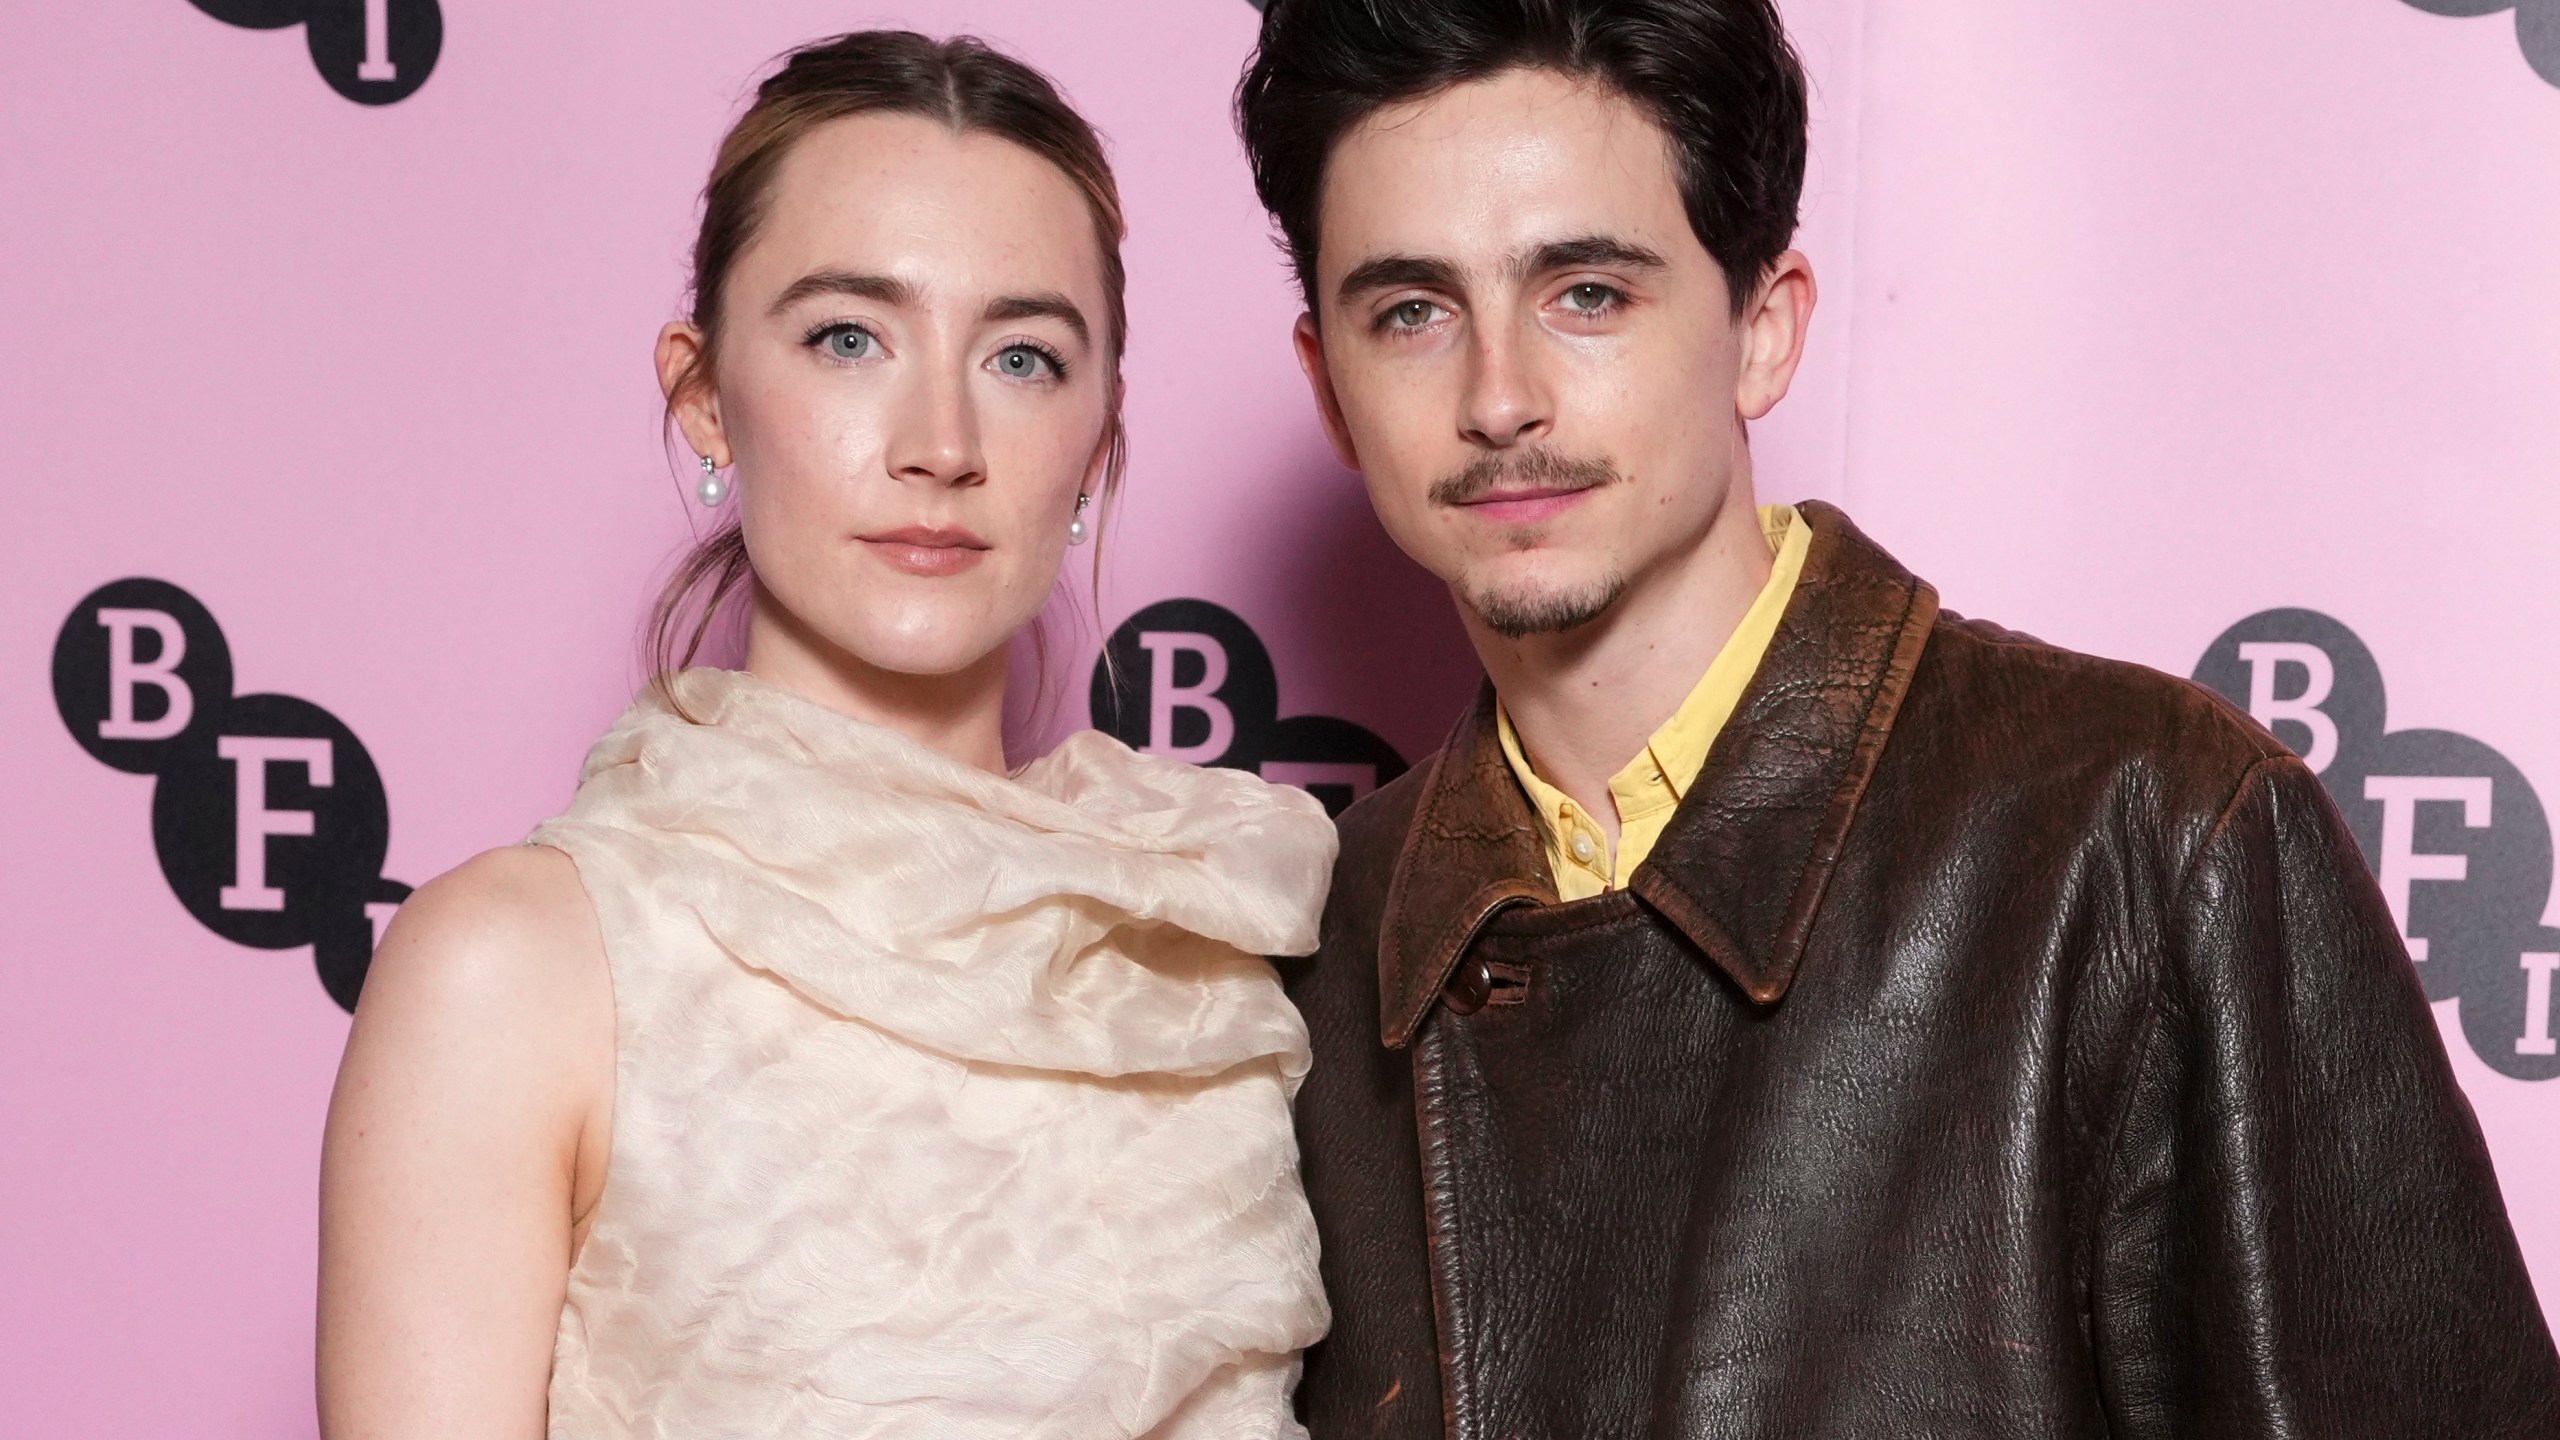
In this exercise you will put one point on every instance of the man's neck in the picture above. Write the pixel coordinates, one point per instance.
(1585, 701)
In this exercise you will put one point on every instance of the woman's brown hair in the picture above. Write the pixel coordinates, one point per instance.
(962, 83)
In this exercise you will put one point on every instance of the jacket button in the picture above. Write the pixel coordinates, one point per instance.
(1470, 987)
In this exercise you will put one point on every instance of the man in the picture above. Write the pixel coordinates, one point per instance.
(1783, 1008)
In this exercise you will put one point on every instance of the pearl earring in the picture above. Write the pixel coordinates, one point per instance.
(1075, 527)
(713, 489)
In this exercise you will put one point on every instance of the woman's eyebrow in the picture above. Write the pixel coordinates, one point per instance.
(1049, 306)
(885, 289)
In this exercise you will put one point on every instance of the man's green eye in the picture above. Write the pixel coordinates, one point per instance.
(1413, 312)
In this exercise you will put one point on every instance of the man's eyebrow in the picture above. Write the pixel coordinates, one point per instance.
(1389, 272)
(882, 288)
(1039, 307)
(1583, 251)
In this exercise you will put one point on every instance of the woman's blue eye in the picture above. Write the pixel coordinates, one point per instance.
(1024, 362)
(848, 342)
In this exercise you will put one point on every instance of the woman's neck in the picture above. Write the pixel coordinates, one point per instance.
(960, 714)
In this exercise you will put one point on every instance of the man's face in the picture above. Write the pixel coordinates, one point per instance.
(1520, 344)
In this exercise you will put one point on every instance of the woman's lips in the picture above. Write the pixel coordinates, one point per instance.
(927, 549)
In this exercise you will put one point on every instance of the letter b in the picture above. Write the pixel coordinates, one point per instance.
(1165, 697)
(139, 667)
(125, 674)
(2303, 709)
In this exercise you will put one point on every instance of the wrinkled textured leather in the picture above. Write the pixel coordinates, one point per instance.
(2000, 1042)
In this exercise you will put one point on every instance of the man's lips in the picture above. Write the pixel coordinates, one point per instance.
(1525, 505)
(926, 549)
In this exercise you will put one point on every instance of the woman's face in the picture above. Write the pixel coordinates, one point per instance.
(913, 382)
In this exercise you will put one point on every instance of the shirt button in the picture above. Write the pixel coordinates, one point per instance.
(1583, 849)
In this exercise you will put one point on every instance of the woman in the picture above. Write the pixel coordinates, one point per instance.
(810, 1075)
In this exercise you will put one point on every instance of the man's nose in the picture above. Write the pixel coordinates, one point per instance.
(1507, 401)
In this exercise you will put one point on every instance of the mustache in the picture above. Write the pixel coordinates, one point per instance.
(1538, 469)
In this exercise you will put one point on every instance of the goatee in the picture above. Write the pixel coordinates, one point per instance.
(1517, 613)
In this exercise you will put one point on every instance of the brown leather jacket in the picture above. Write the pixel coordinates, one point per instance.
(2000, 1042)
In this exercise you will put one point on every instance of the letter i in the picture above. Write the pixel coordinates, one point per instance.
(2537, 1039)
(377, 43)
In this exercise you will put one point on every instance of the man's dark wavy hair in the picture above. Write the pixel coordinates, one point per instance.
(1717, 75)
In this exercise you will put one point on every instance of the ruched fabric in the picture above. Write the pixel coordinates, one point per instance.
(947, 1104)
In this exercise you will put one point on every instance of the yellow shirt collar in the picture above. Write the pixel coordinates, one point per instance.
(1646, 790)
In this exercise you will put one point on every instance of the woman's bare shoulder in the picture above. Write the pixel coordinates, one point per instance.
(500, 957)
(467, 1138)
(512, 898)
(513, 918)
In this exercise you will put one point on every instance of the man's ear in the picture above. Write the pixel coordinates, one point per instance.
(1773, 331)
(684, 377)
(1310, 346)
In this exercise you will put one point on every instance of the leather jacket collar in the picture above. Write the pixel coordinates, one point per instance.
(1740, 869)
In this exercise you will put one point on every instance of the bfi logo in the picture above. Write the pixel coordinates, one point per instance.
(2455, 835)
(2536, 25)
(1191, 681)
(374, 52)
(267, 815)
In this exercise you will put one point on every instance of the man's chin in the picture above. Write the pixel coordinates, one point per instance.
(1518, 611)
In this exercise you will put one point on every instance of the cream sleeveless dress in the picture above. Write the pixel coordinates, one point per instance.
(946, 1104)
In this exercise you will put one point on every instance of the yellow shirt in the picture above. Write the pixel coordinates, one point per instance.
(1645, 792)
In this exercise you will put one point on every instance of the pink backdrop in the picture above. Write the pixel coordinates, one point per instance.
(2136, 322)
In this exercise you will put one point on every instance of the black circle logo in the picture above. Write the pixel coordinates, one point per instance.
(268, 817)
(1190, 680)
(374, 52)
(2537, 25)
(2450, 828)
(137, 676)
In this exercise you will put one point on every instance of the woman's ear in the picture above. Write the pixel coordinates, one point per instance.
(684, 377)
(1097, 466)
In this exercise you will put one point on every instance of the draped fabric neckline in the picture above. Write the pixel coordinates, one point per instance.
(983, 951)
(946, 1102)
